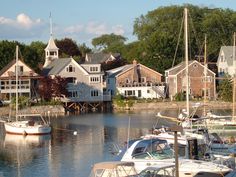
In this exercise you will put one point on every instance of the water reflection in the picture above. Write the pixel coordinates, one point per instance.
(63, 153)
(19, 151)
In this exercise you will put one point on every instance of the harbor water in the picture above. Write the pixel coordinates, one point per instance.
(76, 143)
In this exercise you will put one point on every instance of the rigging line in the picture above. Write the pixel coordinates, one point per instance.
(176, 49)
(194, 31)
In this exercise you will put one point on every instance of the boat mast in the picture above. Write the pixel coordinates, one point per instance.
(205, 76)
(186, 57)
(17, 83)
(234, 65)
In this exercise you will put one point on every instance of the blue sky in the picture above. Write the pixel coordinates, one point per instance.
(81, 20)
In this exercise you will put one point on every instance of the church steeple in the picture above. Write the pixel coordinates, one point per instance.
(51, 51)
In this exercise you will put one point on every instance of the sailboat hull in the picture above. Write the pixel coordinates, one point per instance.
(22, 128)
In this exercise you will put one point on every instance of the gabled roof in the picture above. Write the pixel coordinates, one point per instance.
(100, 57)
(51, 44)
(182, 66)
(116, 71)
(228, 54)
(56, 66)
(9, 65)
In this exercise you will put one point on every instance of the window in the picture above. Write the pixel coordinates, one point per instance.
(52, 53)
(20, 69)
(143, 79)
(70, 68)
(129, 92)
(94, 93)
(94, 79)
(126, 80)
(148, 91)
(73, 94)
(71, 80)
(93, 69)
(207, 79)
(222, 58)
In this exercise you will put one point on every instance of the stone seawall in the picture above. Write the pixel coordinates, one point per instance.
(174, 105)
(47, 110)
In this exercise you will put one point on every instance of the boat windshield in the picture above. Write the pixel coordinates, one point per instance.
(153, 149)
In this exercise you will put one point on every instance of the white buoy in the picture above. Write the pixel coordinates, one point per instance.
(75, 132)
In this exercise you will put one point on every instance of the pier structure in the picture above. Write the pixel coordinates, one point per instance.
(85, 106)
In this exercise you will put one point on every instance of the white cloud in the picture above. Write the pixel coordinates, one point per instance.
(118, 30)
(74, 29)
(21, 27)
(96, 28)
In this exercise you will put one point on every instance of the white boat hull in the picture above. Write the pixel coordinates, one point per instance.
(22, 128)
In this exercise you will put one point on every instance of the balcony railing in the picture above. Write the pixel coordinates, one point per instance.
(138, 84)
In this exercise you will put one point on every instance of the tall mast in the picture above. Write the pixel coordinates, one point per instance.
(186, 57)
(17, 83)
(234, 65)
(205, 75)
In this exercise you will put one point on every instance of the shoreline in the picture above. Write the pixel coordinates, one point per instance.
(59, 110)
(175, 105)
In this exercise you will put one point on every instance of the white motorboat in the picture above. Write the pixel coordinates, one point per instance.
(113, 169)
(24, 126)
(146, 152)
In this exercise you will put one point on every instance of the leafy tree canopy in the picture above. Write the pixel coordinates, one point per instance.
(159, 29)
(109, 42)
(68, 47)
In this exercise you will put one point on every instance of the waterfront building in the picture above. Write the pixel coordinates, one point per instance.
(177, 82)
(84, 81)
(135, 80)
(27, 81)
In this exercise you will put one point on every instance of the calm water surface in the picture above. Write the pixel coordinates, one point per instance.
(66, 154)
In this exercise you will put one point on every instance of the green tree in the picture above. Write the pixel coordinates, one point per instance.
(7, 52)
(68, 47)
(225, 89)
(109, 42)
(159, 29)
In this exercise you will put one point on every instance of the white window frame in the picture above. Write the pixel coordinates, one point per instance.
(93, 69)
(94, 93)
(70, 69)
(94, 79)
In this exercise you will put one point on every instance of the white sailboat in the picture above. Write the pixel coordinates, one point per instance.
(27, 124)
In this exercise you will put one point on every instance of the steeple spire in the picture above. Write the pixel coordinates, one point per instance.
(51, 51)
(50, 17)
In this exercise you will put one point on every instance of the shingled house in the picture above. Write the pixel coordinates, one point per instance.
(176, 80)
(135, 80)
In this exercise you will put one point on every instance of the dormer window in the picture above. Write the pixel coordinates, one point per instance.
(93, 69)
(70, 69)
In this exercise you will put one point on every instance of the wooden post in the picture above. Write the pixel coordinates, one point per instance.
(176, 156)
(176, 129)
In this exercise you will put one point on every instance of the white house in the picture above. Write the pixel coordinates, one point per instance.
(27, 80)
(225, 62)
(85, 81)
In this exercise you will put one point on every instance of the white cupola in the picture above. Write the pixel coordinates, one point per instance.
(51, 51)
